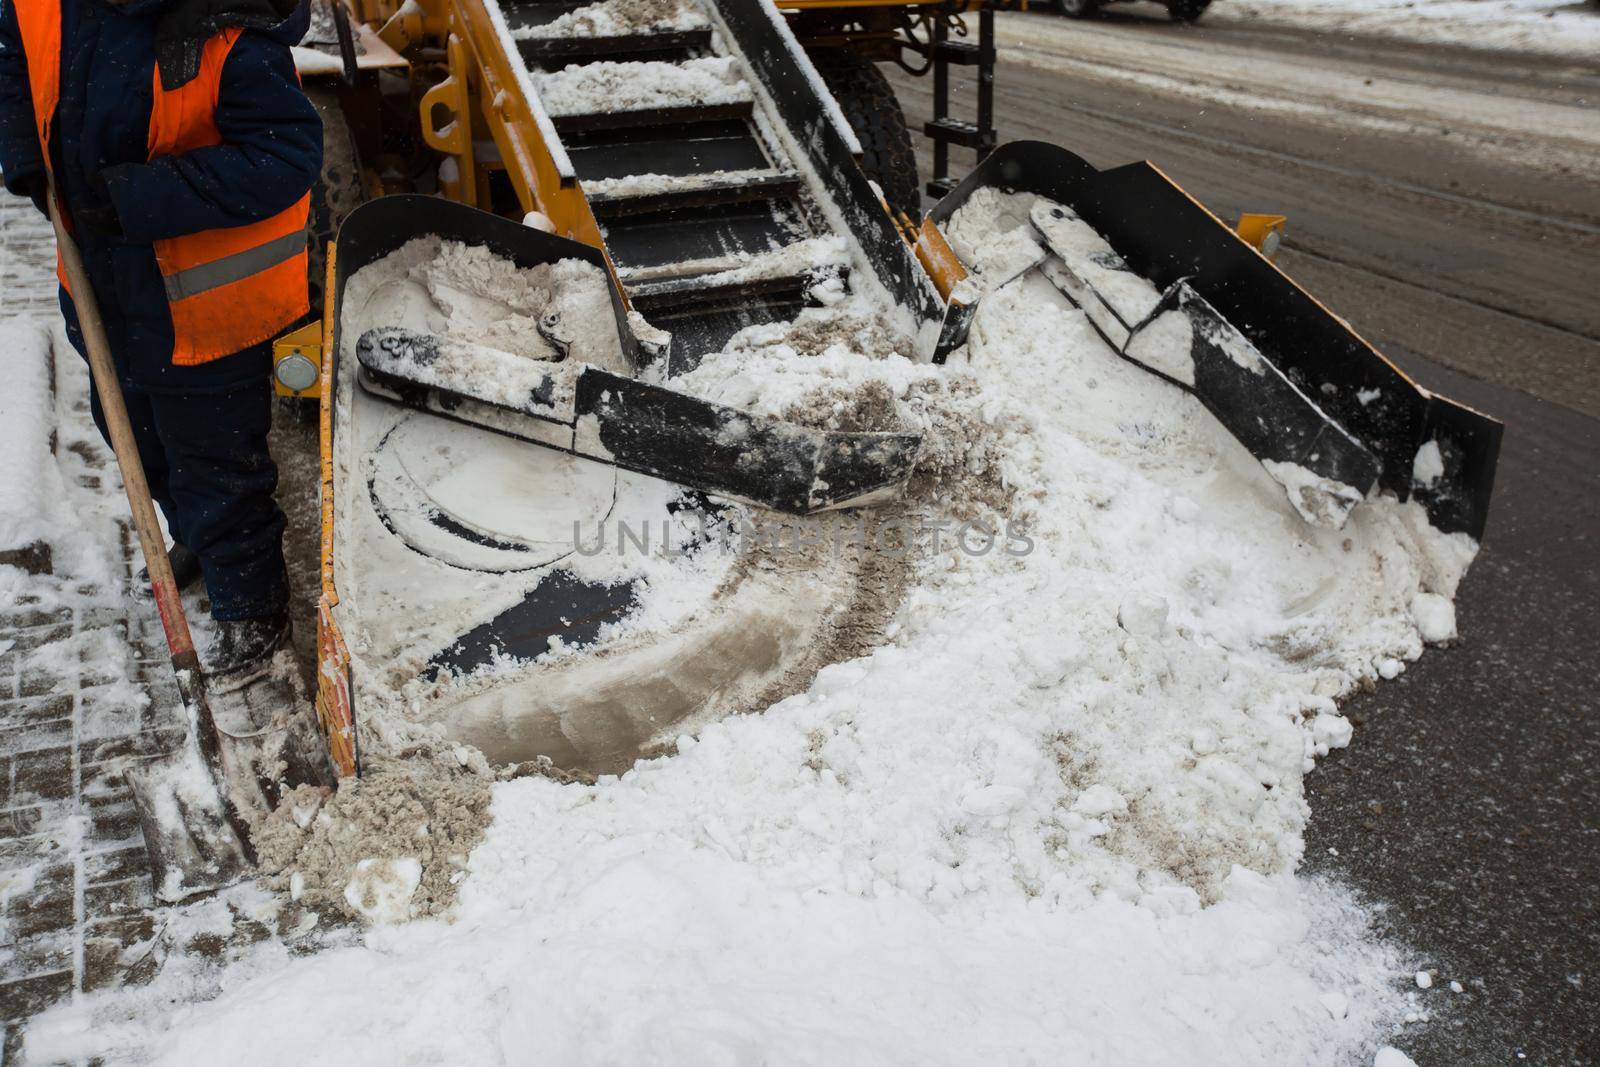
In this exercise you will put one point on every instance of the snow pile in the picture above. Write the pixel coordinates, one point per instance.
(30, 485)
(387, 847)
(467, 293)
(619, 18)
(51, 448)
(1549, 27)
(1155, 329)
(1054, 815)
(588, 88)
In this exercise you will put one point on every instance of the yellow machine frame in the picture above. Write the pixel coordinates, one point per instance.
(473, 90)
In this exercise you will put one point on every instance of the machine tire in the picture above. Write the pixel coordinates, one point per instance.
(873, 111)
(1187, 10)
(1077, 9)
(338, 189)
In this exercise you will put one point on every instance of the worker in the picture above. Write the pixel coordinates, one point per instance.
(183, 148)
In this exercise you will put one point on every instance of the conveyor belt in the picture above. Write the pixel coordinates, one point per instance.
(723, 193)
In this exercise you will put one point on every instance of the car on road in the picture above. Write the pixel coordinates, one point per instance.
(1180, 10)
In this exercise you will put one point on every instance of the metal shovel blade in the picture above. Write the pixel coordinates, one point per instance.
(188, 829)
(250, 737)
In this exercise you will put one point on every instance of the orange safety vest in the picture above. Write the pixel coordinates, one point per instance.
(228, 288)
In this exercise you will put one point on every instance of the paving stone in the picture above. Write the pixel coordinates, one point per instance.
(38, 636)
(127, 931)
(45, 774)
(149, 743)
(48, 908)
(90, 456)
(101, 782)
(35, 709)
(105, 616)
(112, 821)
(17, 852)
(43, 954)
(27, 619)
(107, 714)
(21, 820)
(117, 900)
(35, 558)
(39, 683)
(26, 997)
(97, 674)
(116, 865)
(119, 952)
(30, 737)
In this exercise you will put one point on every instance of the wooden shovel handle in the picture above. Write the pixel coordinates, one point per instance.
(104, 372)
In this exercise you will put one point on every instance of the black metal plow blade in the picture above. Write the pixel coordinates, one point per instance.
(638, 426)
(1290, 379)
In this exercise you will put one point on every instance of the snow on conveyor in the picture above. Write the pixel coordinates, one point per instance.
(618, 18)
(590, 88)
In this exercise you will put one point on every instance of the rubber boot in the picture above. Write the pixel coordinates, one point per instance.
(244, 646)
(185, 571)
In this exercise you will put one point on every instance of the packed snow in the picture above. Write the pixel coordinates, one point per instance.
(588, 88)
(647, 184)
(1552, 27)
(620, 18)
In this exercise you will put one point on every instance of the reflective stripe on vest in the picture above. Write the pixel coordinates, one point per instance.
(234, 268)
(228, 288)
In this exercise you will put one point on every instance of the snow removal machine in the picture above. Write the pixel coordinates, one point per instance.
(703, 167)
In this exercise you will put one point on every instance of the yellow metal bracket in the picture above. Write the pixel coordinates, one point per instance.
(453, 136)
(297, 362)
(1264, 232)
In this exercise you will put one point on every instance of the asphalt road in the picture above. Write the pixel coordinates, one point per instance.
(1447, 203)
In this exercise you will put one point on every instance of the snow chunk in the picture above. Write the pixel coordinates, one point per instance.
(1424, 980)
(1320, 501)
(1389, 1056)
(992, 800)
(1330, 732)
(381, 890)
(1143, 615)
(1428, 466)
(1090, 256)
(1099, 800)
(1435, 617)
(588, 88)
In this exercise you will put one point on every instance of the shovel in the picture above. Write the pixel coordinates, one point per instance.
(194, 831)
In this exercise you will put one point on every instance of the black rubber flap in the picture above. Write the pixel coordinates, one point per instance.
(1165, 235)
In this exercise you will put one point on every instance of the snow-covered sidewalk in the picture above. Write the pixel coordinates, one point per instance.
(75, 667)
(1568, 29)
